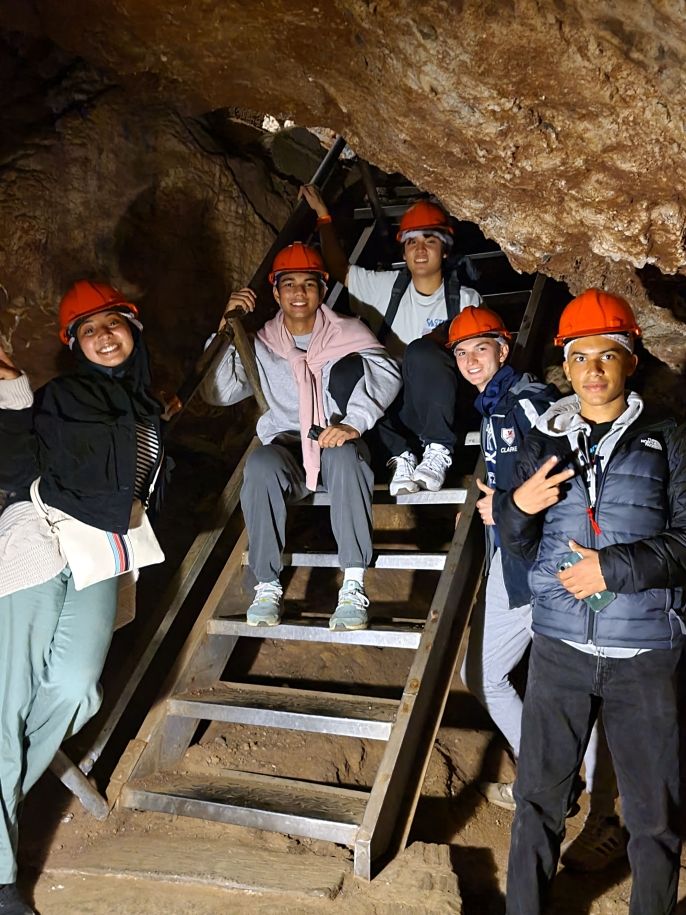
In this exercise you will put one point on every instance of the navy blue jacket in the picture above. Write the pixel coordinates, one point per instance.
(510, 405)
(639, 479)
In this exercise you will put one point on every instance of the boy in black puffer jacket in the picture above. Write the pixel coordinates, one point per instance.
(601, 511)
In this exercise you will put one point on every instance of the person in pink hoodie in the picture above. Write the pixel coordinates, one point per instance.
(327, 380)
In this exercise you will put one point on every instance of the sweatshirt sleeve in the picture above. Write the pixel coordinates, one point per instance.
(18, 448)
(659, 561)
(374, 392)
(226, 382)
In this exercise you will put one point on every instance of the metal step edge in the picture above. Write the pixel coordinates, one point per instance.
(263, 716)
(428, 562)
(285, 822)
(382, 497)
(373, 638)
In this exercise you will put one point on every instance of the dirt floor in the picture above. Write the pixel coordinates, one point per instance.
(142, 863)
(137, 863)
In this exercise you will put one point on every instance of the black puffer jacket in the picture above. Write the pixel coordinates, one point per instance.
(640, 508)
(80, 438)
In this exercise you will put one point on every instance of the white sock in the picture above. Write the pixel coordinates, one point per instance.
(354, 575)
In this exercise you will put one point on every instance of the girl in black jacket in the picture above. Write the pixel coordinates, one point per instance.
(92, 436)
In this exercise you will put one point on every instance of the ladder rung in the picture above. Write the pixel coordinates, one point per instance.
(262, 802)
(407, 559)
(406, 635)
(382, 497)
(393, 209)
(505, 298)
(295, 709)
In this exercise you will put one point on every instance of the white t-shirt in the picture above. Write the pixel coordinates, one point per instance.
(417, 314)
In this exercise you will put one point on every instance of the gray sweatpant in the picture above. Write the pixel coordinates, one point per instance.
(274, 476)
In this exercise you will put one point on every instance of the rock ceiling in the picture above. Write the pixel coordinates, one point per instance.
(557, 126)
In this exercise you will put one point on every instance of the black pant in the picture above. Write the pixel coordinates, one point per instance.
(638, 695)
(425, 409)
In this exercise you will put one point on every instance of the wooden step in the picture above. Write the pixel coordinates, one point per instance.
(295, 709)
(285, 805)
(382, 559)
(394, 634)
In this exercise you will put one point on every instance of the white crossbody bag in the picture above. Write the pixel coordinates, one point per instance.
(95, 555)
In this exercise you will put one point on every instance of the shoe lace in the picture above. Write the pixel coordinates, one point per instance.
(401, 465)
(435, 460)
(353, 596)
(268, 591)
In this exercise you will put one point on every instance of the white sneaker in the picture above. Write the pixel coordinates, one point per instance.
(351, 612)
(402, 482)
(430, 473)
(498, 793)
(267, 607)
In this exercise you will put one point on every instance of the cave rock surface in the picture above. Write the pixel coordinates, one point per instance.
(557, 125)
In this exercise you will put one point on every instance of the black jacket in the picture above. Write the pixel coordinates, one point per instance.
(639, 480)
(80, 438)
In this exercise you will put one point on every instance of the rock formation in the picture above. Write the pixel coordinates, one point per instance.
(556, 125)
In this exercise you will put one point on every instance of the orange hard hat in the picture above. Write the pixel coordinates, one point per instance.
(596, 312)
(424, 215)
(476, 322)
(85, 298)
(298, 258)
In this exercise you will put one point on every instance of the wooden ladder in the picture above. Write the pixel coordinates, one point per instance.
(374, 822)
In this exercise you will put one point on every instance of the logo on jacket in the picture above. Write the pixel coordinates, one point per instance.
(651, 443)
(508, 436)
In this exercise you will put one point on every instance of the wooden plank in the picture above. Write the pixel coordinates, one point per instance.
(173, 598)
(314, 711)
(170, 860)
(73, 778)
(452, 601)
(198, 664)
(266, 802)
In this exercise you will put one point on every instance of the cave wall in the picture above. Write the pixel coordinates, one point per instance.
(95, 182)
(556, 125)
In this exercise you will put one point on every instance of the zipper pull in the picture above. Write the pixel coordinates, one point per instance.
(594, 524)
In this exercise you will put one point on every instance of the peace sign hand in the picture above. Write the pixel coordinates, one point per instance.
(541, 491)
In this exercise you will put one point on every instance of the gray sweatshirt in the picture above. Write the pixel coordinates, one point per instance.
(227, 384)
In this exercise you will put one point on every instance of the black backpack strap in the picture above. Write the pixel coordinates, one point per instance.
(452, 287)
(402, 281)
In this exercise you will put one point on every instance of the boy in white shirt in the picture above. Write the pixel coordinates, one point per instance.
(409, 311)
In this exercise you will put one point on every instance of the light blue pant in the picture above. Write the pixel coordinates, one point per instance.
(498, 638)
(53, 645)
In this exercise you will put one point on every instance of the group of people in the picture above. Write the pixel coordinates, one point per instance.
(584, 506)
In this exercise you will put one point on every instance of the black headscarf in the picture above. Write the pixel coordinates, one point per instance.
(131, 388)
(85, 428)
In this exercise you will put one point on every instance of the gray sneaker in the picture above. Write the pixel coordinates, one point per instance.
(498, 793)
(351, 612)
(267, 607)
(403, 466)
(430, 473)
